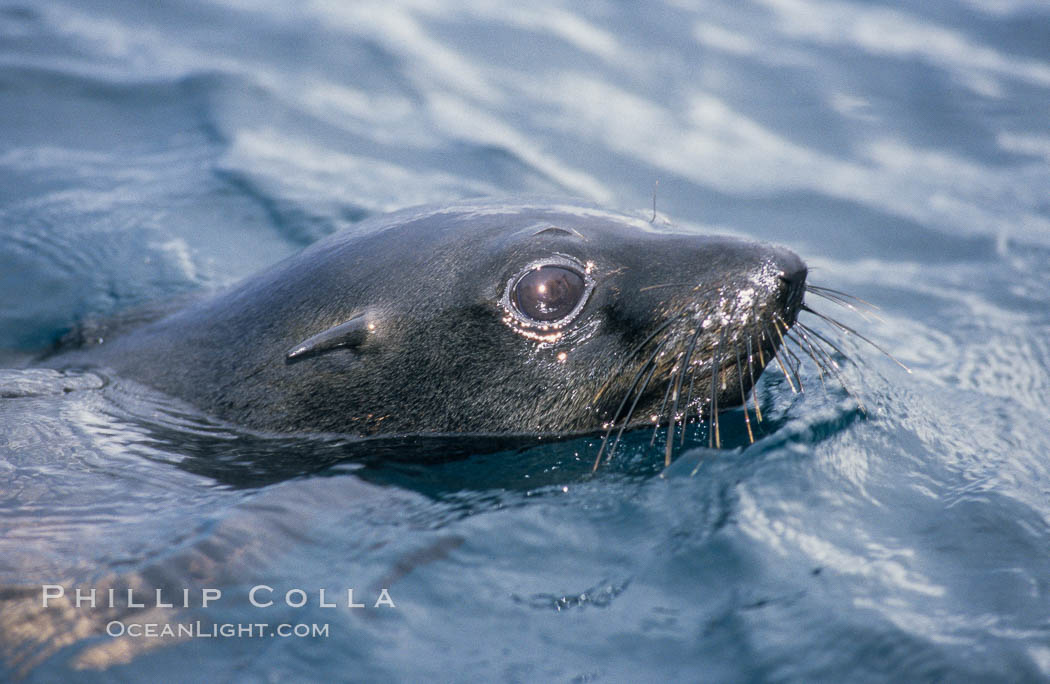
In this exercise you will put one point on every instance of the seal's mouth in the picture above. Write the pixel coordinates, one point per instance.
(709, 352)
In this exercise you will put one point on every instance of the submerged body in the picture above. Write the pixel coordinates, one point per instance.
(487, 317)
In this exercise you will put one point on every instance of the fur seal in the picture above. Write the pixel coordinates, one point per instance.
(484, 317)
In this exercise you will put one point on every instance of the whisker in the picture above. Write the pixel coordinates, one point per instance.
(841, 295)
(751, 372)
(789, 345)
(627, 359)
(833, 368)
(677, 392)
(818, 345)
(780, 362)
(630, 412)
(711, 406)
(845, 328)
(761, 356)
(835, 299)
(714, 439)
(663, 407)
(821, 338)
(651, 365)
(776, 355)
(743, 397)
(688, 400)
(663, 285)
(812, 354)
(797, 357)
(791, 353)
(787, 352)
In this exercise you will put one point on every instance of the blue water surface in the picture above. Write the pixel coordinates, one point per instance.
(153, 149)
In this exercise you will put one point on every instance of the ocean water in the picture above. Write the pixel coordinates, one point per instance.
(149, 150)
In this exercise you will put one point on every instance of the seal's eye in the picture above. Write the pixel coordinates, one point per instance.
(548, 293)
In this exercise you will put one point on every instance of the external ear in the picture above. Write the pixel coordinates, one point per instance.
(349, 334)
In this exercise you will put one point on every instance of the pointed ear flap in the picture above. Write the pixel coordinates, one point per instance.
(350, 334)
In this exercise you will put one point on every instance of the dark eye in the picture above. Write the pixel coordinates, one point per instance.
(548, 293)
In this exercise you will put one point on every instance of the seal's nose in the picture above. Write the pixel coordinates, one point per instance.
(793, 274)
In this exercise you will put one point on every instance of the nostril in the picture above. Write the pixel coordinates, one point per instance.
(794, 276)
(793, 273)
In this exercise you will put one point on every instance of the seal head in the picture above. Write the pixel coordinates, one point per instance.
(483, 318)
